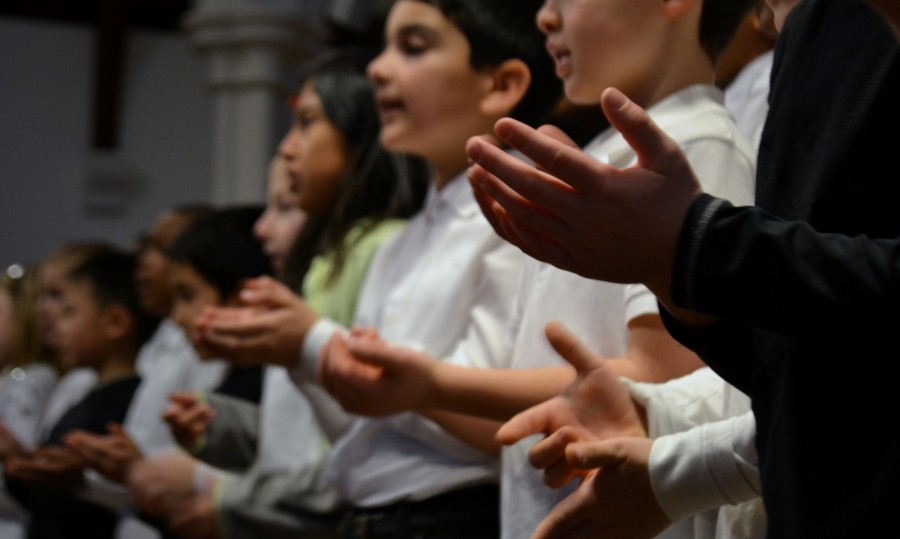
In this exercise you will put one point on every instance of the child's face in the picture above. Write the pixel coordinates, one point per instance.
(50, 282)
(80, 326)
(316, 154)
(190, 294)
(601, 43)
(151, 275)
(428, 94)
(278, 227)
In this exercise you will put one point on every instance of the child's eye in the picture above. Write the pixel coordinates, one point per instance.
(305, 118)
(413, 44)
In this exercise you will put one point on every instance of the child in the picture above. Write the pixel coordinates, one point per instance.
(744, 69)
(279, 227)
(27, 377)
(27, 372)
(166, 363)
(101, 326)
(74, 383)
(595, 44)
(448, 72)
(369, 189)
(776, 298)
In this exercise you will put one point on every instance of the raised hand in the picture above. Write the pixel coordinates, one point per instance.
(619, 225)
(370, 377)
(160, 483)
(614, 501)
(49, 466)
(188, 416)
(595, 406)
(269, 328)
(110, 455)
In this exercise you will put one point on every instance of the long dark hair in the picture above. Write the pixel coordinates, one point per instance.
(375, 185)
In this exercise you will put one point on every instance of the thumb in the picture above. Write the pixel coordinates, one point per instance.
(572, 349)
(647, 140)
(372, 352)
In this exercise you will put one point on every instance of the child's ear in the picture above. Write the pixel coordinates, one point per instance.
(509, 83)
(118, 321)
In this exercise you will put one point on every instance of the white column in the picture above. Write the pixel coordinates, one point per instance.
(253, 49)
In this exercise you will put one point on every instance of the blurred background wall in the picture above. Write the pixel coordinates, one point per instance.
(112, 111)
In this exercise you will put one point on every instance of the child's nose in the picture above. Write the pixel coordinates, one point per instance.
(548, 19)
(376, 70)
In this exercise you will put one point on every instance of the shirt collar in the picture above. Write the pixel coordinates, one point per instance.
(456, 196)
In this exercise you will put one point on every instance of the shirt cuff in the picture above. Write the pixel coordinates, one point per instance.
(316, 338)
(705, 468)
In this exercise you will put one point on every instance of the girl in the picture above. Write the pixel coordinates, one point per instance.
(354, 195)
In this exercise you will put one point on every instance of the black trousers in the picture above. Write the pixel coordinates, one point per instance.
(470, 513)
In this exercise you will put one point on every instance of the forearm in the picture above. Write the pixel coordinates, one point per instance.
(477, 432)
(496, 394)
(652, 354)
(739, 263)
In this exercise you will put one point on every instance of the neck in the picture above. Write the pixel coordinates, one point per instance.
(115, 367)
(445, 173)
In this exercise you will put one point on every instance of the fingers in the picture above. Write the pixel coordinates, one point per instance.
(571, 348)
(266, 292)
(566, 518)
(549, 455)
(607, 453)
(519, 184)
(371, 352)
(566, 165)
(535, 420)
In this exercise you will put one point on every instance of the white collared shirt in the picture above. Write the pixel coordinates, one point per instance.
(445, 285)
(599, 312)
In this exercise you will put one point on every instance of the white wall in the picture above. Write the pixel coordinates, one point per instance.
(49, 188)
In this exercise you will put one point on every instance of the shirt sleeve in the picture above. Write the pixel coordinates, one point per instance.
(709, 466)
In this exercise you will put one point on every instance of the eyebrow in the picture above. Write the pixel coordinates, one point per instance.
(418, 29)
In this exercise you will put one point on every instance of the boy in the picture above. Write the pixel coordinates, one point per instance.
(101, 326)
(166, 363)
(223, 248)
(448, 72)
(664, 57)
(776, 298)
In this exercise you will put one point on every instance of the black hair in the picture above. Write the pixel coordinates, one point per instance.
(110, 272)
(222, 249)
(376, 184)
(719, 21)
(501, 30)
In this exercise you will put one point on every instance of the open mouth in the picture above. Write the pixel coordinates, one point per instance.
(561, 57)
(388, 107)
